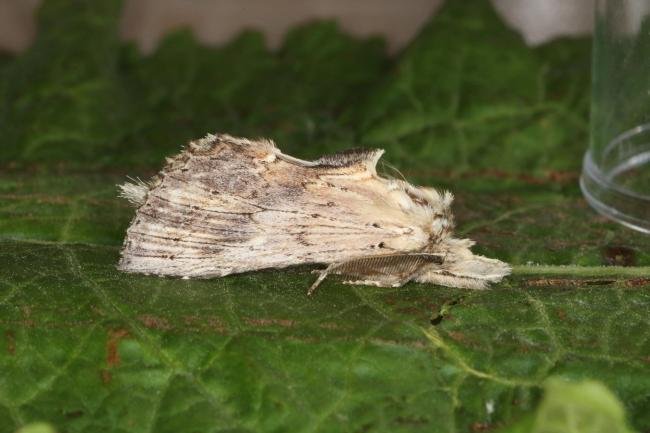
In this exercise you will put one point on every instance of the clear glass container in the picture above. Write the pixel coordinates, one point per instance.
(616, 170)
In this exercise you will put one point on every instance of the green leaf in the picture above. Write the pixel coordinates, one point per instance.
(468, 91)
(64, 100)
(574, 407)
(582, 407)
(90, 348)
(467, 107)
(37, 427)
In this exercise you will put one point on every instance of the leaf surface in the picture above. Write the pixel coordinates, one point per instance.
(84, 347)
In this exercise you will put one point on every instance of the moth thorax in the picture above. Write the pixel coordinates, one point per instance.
(441, 226)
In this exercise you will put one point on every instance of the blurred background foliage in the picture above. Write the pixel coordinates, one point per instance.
(463, 94)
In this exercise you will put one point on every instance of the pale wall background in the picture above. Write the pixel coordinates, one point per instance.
(216, 21)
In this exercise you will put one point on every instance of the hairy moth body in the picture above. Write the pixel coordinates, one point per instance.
(228, 205)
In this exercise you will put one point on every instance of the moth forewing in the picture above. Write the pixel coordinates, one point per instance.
(227, 205)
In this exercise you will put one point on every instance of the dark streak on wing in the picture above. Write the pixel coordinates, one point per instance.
(212, 242)
(180, 222)
(197, 208)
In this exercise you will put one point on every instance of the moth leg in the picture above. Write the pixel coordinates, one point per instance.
(322, 275)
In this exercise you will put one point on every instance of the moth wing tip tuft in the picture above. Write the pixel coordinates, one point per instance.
(135, 192)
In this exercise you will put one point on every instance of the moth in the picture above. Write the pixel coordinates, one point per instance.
(229, 205)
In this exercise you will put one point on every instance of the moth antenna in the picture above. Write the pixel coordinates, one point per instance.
(394, 169)
(297, 161)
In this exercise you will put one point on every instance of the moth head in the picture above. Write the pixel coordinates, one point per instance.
(462, 268)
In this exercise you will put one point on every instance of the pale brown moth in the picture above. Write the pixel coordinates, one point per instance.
(228, 205)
